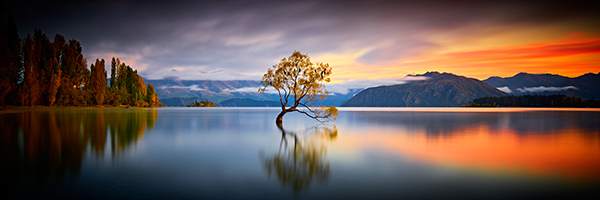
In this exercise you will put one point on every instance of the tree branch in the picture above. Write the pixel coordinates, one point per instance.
(318, 118)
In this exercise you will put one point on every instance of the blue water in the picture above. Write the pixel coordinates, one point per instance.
(239, 153)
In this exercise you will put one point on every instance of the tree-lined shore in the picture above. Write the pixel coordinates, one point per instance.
(40, 71)
(555, 100)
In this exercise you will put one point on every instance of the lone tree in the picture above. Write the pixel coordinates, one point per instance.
(299, 83)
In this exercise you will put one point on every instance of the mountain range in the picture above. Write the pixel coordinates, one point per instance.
(176, 92)
(433, 89)
(585, 86)
(245, 102)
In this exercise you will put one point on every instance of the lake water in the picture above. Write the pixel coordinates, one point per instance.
(239, 153)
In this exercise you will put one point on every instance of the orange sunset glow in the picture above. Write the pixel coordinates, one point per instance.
(570, 58)
(563, 153)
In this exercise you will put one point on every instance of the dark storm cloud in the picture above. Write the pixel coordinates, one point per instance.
(243, 38)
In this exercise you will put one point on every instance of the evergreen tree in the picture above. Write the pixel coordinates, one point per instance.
(151, 95)
(113, 76)
(122, 76)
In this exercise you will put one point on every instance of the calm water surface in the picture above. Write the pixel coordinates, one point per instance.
(239, 153)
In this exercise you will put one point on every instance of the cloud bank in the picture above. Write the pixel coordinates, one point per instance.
(239, 40)
(505, 89)
(545, 89)
(191, 87)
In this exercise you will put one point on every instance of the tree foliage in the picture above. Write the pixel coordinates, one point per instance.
(98, 85)
(74, 75)
(38, 71)
(299, 83)
(151, 96)
(202, 104)
(113, 75)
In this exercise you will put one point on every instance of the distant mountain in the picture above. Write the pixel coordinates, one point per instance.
(213, 90)
(443, 89)
(337, 99)
(245, 102)
(181, 101)
(220, 91)
(585, 86)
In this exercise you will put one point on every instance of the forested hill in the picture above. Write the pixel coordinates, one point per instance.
(42, 71)
(555, 100)
(584, 86)
(439, 89)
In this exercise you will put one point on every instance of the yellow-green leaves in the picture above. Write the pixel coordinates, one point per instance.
(301, 82)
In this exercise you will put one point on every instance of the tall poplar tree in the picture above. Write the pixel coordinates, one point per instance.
(30, 91)
(113, 75)
(98, 82)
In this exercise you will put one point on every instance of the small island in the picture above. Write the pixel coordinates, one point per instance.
(202, 104)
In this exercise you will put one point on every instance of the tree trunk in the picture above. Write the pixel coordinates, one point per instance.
(279, 120)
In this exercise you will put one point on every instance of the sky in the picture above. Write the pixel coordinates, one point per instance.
(366, 43)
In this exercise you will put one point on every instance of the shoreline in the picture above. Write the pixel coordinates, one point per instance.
(19, 109)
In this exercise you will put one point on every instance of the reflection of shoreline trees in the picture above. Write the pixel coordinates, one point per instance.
(44, 145)
(297, 164)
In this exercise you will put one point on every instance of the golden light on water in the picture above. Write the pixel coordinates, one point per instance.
(538, 142)
(570, 153)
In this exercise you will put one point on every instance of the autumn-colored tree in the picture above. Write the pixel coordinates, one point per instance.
(151, 96)
(48, 66)
(140, 90)
(38, 71)
(74, 75)
(54, 70)
(299, 83)
(98, 82)
(30, 91)
(202, 104)
(10, 60)
(43, 48)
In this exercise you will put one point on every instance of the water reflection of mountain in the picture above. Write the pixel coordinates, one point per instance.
(45, 145)
(440, 123)
(299, 160)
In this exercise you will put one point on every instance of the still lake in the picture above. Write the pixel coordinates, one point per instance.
(239, 153)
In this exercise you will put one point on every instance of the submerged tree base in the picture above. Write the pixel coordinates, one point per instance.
(279, 119)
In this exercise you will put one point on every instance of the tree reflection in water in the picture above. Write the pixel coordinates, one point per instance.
(297, 164)
(43, 145)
